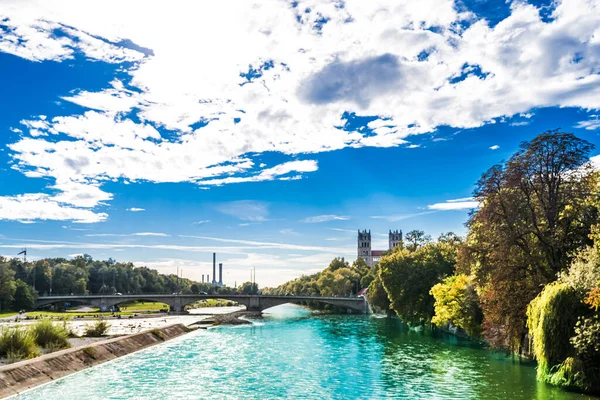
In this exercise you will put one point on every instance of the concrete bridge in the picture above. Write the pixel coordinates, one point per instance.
(177, 302)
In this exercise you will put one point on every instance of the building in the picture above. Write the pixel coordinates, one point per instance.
(371, 256)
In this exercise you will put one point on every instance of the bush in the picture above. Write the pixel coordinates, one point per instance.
(98, 329)
(50, 336)
(18, 343)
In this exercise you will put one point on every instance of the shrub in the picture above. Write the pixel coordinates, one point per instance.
(98, 329)
(90, 351)
(50, 336)
(18, 343)
(587, 340)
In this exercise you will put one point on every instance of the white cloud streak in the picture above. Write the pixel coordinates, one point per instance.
(324, 218)
(457, 204)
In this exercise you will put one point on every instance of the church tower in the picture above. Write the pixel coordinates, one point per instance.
(395, 239)
(364, 247)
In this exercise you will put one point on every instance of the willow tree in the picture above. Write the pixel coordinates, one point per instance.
(536, 211)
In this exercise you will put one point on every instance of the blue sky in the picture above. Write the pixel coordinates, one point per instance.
(271, 132)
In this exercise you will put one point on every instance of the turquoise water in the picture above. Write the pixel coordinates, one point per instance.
(291, 354)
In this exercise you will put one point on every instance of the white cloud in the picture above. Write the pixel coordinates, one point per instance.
(494, 147)
(324, 218)
(269, 174)
(269, 245)
(304, 79)
(457, 204)
(400, 217)
(27, 208)
(136, 209)
(204, 221)
(159, 234)
(246, 210)
(589, 125)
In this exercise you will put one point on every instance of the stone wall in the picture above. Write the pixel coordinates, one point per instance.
(18, 377)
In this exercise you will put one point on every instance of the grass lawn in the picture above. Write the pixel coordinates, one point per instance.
(126, 309)
(143, 306)
(69, 314)
(211, 303)
(5, 314)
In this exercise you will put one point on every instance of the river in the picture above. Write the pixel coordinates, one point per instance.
(292, 354)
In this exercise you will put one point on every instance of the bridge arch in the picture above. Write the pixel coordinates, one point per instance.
(178, 302)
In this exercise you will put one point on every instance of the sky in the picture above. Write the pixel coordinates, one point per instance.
(270, 132)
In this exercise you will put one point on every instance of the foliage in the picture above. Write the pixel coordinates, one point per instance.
(408, 277)
(7, 285)
(248, 288)
(587, 340)
(569, 374)
(536, 212)
(593, 298)
(338, 279)
(50, 336)
(377, 296)
(98, 329)
(18, 343)
(83, 275)
(456, 302)
(551, 321)
(415, 239)
(24, 297)
(584, 272)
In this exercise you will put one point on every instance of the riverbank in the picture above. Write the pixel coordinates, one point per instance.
(24, 375)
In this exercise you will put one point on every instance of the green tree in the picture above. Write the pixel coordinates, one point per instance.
(415, 239)
(80, 286)
(376, 294)
(456, 302)
(24, 297)
(248, 288)
(408, 277)
(7, 285)
(336, 263)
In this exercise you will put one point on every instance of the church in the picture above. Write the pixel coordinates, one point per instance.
(370, 256)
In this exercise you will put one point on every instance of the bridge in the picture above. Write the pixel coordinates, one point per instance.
(177, 302)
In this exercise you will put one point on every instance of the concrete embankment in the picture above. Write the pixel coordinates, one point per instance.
(18, 377)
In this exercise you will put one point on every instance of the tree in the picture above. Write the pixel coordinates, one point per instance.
(408, 277)
(456, 302)
(536, 211)
(336, 263)
(415, 239)
(377, 296)
(24, 297)
(7, 285)
(80, 286)
(195, 288)
(248, 288)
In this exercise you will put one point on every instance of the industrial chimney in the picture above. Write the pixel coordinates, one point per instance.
(214, 281)
(220, 274)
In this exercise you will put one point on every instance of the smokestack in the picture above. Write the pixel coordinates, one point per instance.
(220, 274)
(214, 267)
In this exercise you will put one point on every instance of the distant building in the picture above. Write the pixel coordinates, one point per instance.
(370, 256)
